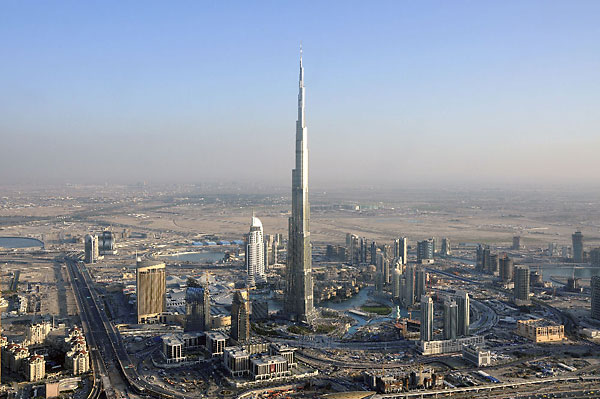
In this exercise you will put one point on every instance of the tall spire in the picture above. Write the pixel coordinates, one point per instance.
(299, 289)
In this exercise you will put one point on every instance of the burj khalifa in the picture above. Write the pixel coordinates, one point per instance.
(299, 283)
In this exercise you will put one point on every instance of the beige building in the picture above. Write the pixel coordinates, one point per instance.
(37, 333)
(151, 290)
(540, 330)
(78, 361)
(36, 368)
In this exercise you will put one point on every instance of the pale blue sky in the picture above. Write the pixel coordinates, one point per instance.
(397, 91)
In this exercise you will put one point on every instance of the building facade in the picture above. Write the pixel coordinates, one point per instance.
(255, 251)
(240, 316)
(151, 290)
(298, 304)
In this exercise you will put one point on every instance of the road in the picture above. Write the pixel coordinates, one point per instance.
(121, 373)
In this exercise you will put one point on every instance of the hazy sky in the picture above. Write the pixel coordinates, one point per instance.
(397, 91)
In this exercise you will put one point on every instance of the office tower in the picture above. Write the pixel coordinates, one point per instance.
(450, 320)
(506, 268)
(197, 308)
(255, 251)
(106, 243)
(464, 308)
(425, 250)
(396, 283)
(521, 290)
(480, 257)
(299, 283)
(420, 282)
(409, 288)
(240, 316)
(577, 247)
(426, 318)
(379, 282)
(401, 249)
(516, 245)
(91, 248)
(446, 247)
(595, 257)
(493, 264)
(373, 253)
(348, 240)
(151, 289)
(595, 288)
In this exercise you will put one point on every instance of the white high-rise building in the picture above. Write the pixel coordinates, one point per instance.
(255, 251)
(426, 318)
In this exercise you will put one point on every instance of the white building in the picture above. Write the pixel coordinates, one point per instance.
(477, 355)
(447, 346)
(36, 368)
(255, 251)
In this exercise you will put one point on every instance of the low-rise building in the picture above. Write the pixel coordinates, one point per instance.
(236, 361)
(476, 355)
(540, 330)
(284, 350)
(215, 342)
(447, 346)
(36, 368)
(268, 367)
(172, 349)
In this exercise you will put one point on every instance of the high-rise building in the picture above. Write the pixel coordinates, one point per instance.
(595, 256)
(299, 282)
(464, 308)
(151, 289)
(450, 320)
(373, 251)
(396, 283)
(420, 282)
(425, 251)
(91, 248)
(426, 318)
(409, 287)
(36, 368)
(493, 264)
(255, 251)
(506, 268)
(516, 244)
(240, 316)
(401, 249)
(595, 287)
(521, 290)
(197, 307)
(577, 247)
(446, 247)
(106, 243)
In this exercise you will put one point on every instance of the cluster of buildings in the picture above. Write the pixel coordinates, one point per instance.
(390, 381)
(24, 358)
(96, 246)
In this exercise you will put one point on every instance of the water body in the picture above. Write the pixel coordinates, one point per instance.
(201, 257)
(20, 242)
(585, 272)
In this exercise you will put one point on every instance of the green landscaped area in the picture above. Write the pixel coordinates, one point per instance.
(380, 310)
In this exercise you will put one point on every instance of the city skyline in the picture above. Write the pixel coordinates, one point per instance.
(151, 94)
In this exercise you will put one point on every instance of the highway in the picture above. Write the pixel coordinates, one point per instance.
(120, 372)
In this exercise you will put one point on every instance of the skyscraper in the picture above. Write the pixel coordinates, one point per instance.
(420, 282)
(464, 307)
(516, 245)
(521, 290)
(396, 282)
(151, 289)
(446, 246)
(577, 247)
(197, 306)
(255, 251)
(425, 251)
(409, 288)
(450, 320)
(426, 318)
(401, 249)
(595, 287)
(506, 268)
(299, 283)
(240, 316)
(91, 248)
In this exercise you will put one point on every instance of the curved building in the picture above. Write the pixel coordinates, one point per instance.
(255, 251)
